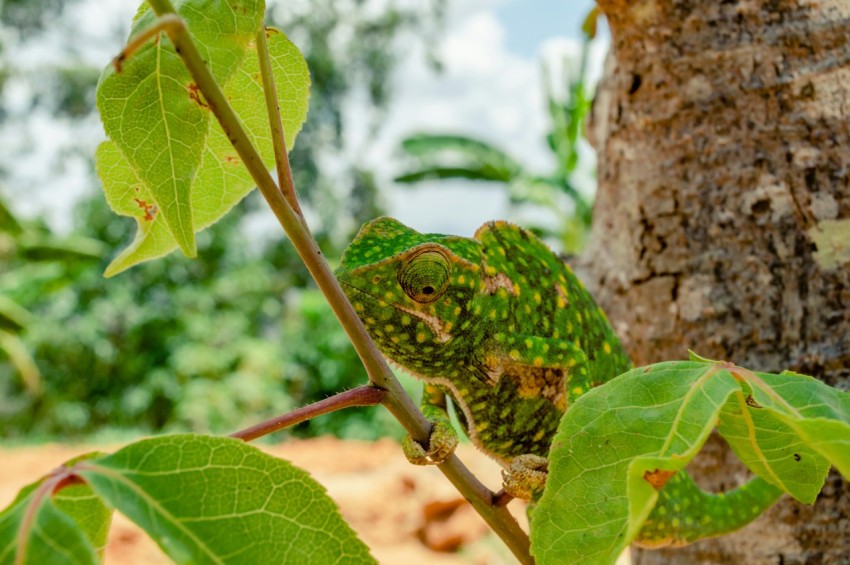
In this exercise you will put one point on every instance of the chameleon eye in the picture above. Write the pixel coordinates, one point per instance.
(425, 277)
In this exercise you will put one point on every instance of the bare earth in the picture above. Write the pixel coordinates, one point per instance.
(405, 514)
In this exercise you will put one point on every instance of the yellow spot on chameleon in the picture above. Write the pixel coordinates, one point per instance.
(545, 347)
(516, 289)
(493, 314)
(537, 297)
(538, 361)
(457, 311)
(420, 337)
(448, 327)
(405, 320)
(529, 343)
(389, 296)
(389, 328)
(606, 347)
(482, 426)
(490, 270)
(514, 354)
(528, 308)
(461, 279)
(577, 390)
(539, 435)
(571, 363)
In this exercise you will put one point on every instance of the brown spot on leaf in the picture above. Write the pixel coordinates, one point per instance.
(751, 402)
(232, 159)
(195, 94)
(797, 457)
(150, 209)
(658, 478)
(270, 31)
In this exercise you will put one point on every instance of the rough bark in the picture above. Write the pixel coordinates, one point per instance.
(722, 221)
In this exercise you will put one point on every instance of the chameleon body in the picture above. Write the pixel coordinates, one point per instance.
(502, 326)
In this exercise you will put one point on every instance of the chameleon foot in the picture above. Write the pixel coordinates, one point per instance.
(526, 476)
(441, 444)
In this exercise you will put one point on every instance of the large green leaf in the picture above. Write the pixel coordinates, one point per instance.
(651, 420)
(218, 500)
(154, 113)
(39, 527)
(220, 181)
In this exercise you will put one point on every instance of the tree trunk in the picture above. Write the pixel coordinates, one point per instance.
(722, 221)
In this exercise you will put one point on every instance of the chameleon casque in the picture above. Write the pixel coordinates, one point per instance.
(502, 326)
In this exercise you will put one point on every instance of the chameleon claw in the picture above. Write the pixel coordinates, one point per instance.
(441, 444)
(526, 476)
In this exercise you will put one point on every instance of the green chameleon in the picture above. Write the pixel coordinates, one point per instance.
(502, 326)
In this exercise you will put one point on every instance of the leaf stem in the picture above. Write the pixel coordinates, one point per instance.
(167, 23)
(58, 478)
(365, 395)
(396, 400)
(753, 379)
(284, 172)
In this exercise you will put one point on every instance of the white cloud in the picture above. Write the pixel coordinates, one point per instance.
(485, 91)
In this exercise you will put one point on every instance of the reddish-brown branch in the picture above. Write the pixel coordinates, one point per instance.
(365, 395)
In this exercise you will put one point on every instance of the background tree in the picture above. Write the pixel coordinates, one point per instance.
(722, 220)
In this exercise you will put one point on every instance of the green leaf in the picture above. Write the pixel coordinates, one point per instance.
(8, 222)
(88, 511)
(218, 500)
(21, 358)
(818, 414)
(69, 527)
(221, 180)
(152, 110)
(455, 156)
(771, 448)
(474, 172)
(13, 316)
(648, 420)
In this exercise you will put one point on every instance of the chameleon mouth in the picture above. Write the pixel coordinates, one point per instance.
(433, 322)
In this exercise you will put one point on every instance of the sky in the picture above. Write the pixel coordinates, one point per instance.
(490, 88)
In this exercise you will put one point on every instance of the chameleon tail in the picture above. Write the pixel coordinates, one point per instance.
(685, 513)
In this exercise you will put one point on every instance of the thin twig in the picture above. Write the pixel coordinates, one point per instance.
(361, 396)
(281, 159)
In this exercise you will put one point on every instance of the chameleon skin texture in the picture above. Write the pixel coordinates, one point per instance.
(500, 324)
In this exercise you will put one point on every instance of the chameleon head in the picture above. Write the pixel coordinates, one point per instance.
(413, 291)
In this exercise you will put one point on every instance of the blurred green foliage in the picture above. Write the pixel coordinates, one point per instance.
(212, 344)
(209, 345)
(451, 156)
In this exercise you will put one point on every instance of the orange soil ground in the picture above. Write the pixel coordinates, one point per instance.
(405, 514)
